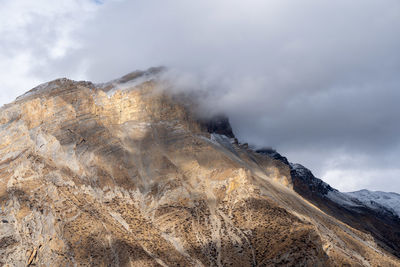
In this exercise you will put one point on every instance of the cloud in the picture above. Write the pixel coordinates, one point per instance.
(35, 35)
(351, 180)
(317, 80)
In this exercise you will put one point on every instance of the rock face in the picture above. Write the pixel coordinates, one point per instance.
(124, 174)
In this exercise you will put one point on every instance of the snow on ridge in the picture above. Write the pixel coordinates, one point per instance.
(299, 168)
(128, 85)
(385, 202)
(333, 194)
(343, 199)
(130, 80)
(377, 199)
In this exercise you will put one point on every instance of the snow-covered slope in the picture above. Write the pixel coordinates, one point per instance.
(377, 199)
(381, 202)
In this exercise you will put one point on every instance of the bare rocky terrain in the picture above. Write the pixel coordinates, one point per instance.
(125, 174)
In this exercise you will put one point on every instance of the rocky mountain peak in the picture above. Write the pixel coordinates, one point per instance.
(125, 174)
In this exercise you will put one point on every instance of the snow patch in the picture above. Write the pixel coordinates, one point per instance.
(129, 81)
(377, 199)
(343, 199)
(129, 85)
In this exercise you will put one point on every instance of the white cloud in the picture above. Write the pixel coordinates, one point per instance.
(355, 179)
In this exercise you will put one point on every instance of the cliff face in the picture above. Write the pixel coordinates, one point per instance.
(124, 174)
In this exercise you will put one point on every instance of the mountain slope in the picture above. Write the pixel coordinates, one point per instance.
(125, 174)
(370, 212)
(379, 221)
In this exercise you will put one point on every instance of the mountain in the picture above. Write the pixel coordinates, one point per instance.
(127, 174)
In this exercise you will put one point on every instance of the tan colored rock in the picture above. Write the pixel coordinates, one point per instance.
(94, 175)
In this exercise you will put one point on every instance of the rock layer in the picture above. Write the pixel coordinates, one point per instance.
(125, 174)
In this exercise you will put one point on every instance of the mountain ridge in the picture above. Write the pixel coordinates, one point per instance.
(133, 177)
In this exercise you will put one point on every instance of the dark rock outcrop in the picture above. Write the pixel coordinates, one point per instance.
(218, 124)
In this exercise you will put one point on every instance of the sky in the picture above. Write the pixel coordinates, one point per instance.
(317, 80)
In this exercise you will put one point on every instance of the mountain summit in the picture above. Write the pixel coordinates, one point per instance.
(126, 174)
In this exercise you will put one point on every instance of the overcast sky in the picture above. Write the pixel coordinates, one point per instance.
(317, 80)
